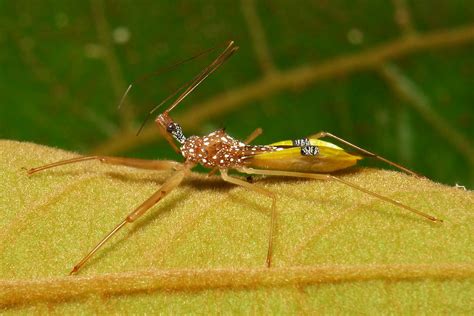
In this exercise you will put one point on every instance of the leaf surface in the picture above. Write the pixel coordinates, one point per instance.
(202, 249)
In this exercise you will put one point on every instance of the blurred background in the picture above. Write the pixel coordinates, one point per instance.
(395, 77)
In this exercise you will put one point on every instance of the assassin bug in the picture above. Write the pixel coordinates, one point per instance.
(304, 158)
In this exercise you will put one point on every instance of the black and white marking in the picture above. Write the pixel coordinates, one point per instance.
(177, 132)
(309, 150)
(302, 142)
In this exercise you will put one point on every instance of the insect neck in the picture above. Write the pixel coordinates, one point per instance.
(170, 130)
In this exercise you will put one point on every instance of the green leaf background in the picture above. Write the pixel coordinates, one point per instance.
(394, 77)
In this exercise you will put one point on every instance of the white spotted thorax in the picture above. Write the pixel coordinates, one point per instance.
(218, 149)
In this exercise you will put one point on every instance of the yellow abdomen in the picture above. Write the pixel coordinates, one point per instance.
(330, 158)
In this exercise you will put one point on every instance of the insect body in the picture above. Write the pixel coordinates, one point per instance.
(309, 157)
(219, 149)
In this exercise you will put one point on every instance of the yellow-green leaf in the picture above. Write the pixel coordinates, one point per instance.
(202, 249)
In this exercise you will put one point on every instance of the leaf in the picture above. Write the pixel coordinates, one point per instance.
(64, 70)
(202, 249)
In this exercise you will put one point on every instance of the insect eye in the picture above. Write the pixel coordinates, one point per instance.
(171, 128)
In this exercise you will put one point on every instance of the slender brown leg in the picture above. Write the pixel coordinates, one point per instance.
(129, 162)
(319, 176)
(257, 132)
(271, 195)
(365, 152)
(171, 183)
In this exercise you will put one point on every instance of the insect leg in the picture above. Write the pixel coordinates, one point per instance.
(365, 152)
(129, 162)
(171, 183)
(257, 132)
(319, 176)
(271, 195)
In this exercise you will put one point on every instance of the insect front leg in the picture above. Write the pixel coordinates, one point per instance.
(326, 177)
(172, 182)
(121, 161)
(271, 195)
(365, 152)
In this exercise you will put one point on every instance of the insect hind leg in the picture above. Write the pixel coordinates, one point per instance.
(319, 176)
(365, 152)
(271, 195)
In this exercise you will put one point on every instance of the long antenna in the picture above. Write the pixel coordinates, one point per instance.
(161, 103)
(165, 69)
(222, 58)
(192, 84)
